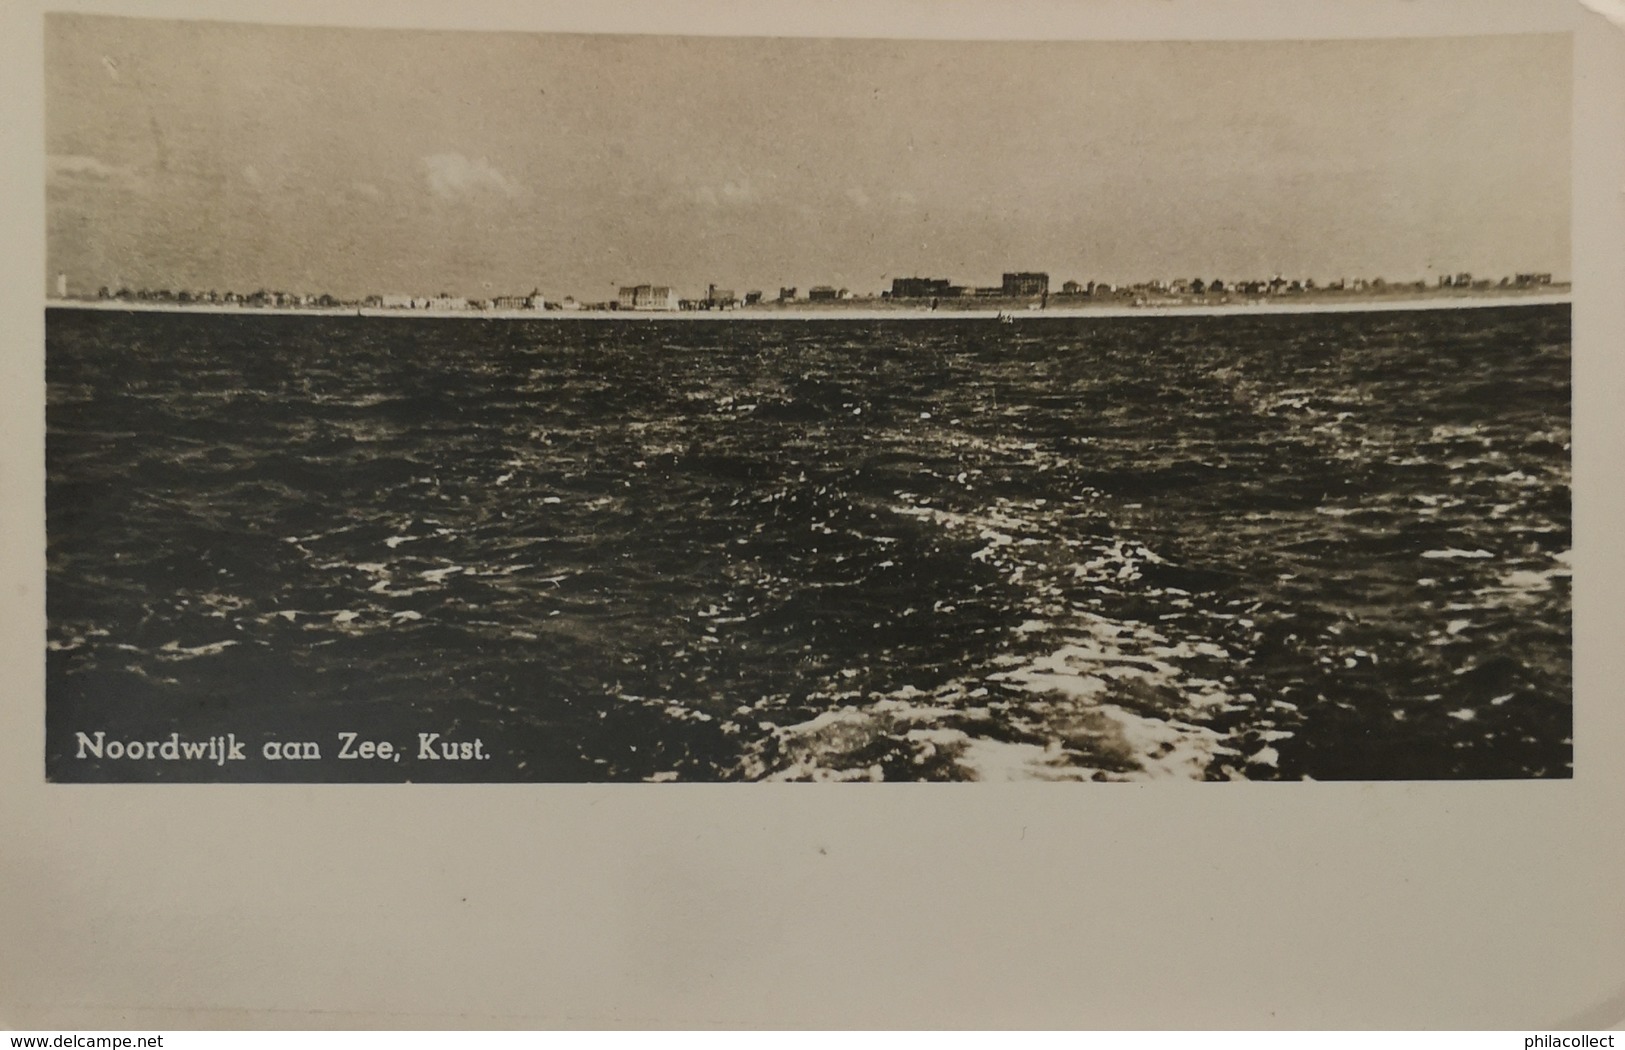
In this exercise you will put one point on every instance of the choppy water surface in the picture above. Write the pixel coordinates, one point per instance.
(1328, 546)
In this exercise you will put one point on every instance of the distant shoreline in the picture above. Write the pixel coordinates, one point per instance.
(846, 312)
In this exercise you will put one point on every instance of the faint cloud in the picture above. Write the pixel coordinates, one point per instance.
(730, 194)
(77, 167)
(368, 190)
(252, 176)
(856, 195)
(453, 175)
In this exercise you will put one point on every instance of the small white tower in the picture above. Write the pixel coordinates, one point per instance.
(61, 286)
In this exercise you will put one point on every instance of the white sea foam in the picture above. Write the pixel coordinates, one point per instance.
(176, 651)
(1103, 700)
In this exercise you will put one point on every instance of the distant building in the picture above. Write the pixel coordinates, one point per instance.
(448, 302)
(822, 293)
(786, 294)
(752, 298)
(647, 297)
(1071, 288)
(919, 287)
(1025, 284)
(719, 298)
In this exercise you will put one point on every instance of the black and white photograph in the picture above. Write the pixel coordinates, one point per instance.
(506, 406)
(449, 449)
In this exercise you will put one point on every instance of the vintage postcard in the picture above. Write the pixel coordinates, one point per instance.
(452, 453)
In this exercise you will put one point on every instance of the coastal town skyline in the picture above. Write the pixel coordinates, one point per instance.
(1025, 289)
(479, 165)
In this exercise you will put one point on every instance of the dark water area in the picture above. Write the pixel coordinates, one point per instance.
(1326, 546)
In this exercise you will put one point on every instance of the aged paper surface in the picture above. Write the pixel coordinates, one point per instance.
(1399, 904)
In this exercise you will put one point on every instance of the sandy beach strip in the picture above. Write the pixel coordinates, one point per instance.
(1374, 304)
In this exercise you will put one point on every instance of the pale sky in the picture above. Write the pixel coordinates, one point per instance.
(211, 155)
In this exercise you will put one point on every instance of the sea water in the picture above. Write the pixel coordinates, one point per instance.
(1264, 547)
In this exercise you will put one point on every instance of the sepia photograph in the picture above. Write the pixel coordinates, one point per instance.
(448, 448)
(507, 406)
